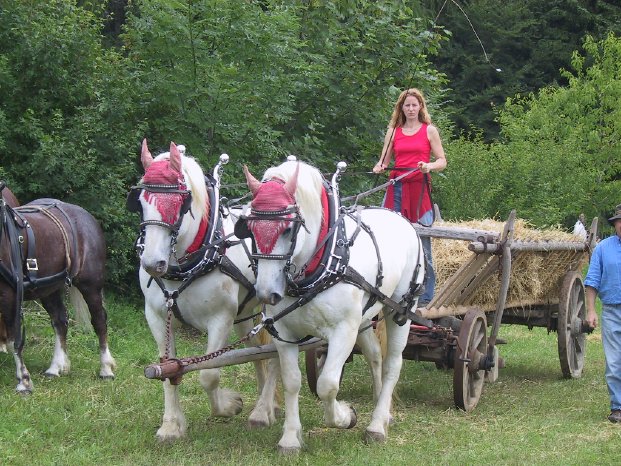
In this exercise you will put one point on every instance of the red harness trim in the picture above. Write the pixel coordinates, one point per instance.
(200, 236)
(325, 218)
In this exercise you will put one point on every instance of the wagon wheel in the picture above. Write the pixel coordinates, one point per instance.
(571, 314)
(314, 359)
(468, 377)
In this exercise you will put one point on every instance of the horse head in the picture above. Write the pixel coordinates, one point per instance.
(172, 187)
(284, 220)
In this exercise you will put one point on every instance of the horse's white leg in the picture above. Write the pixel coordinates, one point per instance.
(60, 360)
(174, 425)
(372, 352)
(224, 402)
(55, 307)
(24, 382)
(108, 364)
(266, 409)
(267, 372)
(291, 440)
(336, 413)
(396, 339)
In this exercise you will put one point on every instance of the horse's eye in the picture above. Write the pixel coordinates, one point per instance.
(287, 232)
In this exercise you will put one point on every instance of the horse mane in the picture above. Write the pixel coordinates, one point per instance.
(308, 191)
(195, 181)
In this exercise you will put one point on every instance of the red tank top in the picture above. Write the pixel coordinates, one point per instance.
(409, 150)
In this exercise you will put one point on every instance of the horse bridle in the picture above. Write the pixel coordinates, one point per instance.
(242, 231)
(133, 205)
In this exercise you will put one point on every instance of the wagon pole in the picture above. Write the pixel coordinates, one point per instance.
(177, 367)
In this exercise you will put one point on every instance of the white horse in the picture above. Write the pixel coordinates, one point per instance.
(285, 221)
(172, 230)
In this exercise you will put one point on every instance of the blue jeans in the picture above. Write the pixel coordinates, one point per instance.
(611, 339)
(425, 219)
(430, 285)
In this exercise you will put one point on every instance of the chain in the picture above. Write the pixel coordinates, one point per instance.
(198, 359)
(169, 305)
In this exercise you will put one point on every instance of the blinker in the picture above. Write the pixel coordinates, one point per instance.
(241, 229)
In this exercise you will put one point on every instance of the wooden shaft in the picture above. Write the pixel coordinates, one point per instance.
(520, 245)
(465, 234)
(173, 367)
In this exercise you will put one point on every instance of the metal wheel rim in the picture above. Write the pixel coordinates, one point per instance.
(467, 383)
(571, 344)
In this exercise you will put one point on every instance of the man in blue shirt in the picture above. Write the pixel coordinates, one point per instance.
(604, 280)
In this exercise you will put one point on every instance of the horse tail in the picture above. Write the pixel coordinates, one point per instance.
(380, 333)
(82, 315)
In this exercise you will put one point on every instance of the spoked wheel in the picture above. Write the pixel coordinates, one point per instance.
(468, 375)
(314, 359)
(571, 314)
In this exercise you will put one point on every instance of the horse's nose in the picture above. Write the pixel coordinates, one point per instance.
(156, 269)
(271, 298)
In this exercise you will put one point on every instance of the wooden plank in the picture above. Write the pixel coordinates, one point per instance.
(464, 234)
(487, 270)
(453, 286)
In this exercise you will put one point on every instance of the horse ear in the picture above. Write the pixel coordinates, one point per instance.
(145, 156)
(175, 158)
(253, 183)
(292, 183)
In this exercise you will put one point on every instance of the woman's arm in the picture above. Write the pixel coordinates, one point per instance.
(437, 151)
(387, 152)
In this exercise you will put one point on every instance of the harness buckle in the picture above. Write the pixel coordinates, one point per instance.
(32, 265)
(20, 239)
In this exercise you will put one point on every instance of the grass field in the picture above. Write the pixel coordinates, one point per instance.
(529, 416)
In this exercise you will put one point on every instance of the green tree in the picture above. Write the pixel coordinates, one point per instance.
(67, 119)
(559, 154)
(522, 47)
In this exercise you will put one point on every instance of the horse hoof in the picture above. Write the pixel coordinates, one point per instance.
(24, 391)
(374, 437)
(354, 418)
(257, 424)
(288, 451)
(50, 375)
(106, 377)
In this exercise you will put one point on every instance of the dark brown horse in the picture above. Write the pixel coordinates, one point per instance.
(44, 246)
(9, 198)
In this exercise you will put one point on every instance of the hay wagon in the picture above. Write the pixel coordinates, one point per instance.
(512, 276)
(504, 277)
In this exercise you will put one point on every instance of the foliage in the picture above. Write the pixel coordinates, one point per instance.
(560, 152)
(260, 80)
(68, 122)
(522, 47)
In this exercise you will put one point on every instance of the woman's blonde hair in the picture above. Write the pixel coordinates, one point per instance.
(398, 117)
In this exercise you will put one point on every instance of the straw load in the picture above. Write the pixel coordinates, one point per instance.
(536, 276)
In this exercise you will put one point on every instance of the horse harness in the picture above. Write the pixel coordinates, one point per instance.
(207, 257)
(22, 275)
(334, 264)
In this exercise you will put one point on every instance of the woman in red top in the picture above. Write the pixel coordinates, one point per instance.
(412, 139)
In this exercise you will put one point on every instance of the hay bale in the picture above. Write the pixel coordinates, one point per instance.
(535, 275)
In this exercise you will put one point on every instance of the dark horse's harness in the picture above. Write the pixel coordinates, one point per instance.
(207, 257)
(22, 272)
(334, 264)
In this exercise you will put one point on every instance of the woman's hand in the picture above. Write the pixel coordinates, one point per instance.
(378, 168)
(424, 167)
